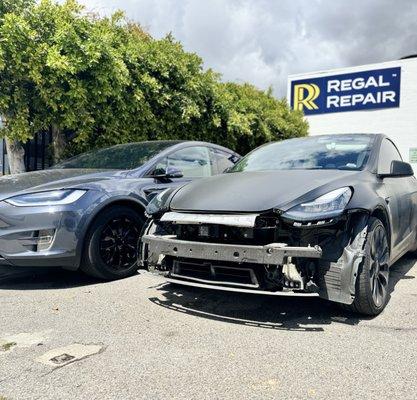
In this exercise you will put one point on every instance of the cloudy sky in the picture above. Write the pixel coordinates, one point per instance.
(262, 41)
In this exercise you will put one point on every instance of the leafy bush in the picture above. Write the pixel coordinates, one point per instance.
(104, 80)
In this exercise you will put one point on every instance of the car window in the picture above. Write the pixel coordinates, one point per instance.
(223, 160)
(346, 152)
(387, 154)
(193, 162)
(122, 156)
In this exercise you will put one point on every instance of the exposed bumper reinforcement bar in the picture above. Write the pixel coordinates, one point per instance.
(274, 253)
(240, 290)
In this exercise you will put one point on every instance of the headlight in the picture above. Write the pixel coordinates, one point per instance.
(160, 202)
(330, 205)
(50, 198)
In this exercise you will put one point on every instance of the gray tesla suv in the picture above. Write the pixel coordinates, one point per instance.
(87, 212)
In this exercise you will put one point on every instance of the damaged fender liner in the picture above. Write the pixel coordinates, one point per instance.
(273, 253)
(338, 279)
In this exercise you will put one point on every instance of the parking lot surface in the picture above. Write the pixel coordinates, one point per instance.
(65, 336)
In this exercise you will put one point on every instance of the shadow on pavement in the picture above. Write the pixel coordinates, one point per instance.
(400, 270)
(40, 279)
(309, 314)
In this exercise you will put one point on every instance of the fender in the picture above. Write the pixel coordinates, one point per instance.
(139, 202)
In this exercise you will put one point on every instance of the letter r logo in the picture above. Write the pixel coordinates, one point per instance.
(304, 96)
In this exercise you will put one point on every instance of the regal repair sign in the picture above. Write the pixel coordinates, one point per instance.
(365, 90)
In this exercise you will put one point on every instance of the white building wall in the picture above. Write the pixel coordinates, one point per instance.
(400, 124)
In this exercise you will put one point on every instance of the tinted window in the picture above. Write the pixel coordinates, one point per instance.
(193, 162)
(223, 160)
(123, 156)
(349, 152)
(387, 154)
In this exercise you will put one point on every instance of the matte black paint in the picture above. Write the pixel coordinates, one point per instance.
(394, 197)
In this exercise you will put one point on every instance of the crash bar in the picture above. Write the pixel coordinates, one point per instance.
(273, 253)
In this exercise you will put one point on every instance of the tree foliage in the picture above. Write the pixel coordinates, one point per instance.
(10, 6)
(104, 80)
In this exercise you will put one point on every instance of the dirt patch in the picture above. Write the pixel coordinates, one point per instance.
(7, 347)
(24, 340)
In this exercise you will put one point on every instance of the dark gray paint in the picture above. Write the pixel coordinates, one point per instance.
(72, 221)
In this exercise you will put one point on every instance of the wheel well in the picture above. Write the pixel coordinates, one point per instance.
(383, 217)
(140, 209)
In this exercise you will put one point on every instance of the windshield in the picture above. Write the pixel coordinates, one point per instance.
(121, 157)
(349, 152)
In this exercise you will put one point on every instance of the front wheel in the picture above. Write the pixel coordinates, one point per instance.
(373, 276)
(111, 246)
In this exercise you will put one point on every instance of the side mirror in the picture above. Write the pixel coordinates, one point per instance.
(169, 173)
(399, 169)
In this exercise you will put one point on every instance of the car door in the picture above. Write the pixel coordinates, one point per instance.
(194, 162)
(398, 193)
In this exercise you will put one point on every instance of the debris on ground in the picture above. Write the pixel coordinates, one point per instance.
(66, 355)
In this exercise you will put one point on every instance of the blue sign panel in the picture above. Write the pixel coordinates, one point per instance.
(366, 90)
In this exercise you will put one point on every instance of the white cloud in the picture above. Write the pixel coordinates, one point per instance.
(262, 41)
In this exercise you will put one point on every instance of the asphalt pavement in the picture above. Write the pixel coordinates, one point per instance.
(66, 336)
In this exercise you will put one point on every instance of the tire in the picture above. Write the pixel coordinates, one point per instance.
(372, 282)
(111, 244)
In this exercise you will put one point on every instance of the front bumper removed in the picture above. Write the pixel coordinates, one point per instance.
(329, 269)
(225, 266)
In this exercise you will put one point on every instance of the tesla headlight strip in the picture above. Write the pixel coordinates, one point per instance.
(49, 198)
(329, 205)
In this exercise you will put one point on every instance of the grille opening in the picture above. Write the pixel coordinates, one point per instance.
(201, 271)
(234, 276)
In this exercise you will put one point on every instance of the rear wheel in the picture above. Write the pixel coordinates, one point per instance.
(373, 276)
(111, 247)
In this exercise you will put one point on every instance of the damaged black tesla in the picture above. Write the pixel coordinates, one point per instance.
(324, 215)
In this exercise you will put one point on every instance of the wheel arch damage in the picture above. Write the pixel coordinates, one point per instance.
(337, 278)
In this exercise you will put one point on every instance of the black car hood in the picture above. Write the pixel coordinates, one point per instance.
(51, 179)
(257, 191)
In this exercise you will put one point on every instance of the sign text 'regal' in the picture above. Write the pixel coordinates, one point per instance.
(365, 90)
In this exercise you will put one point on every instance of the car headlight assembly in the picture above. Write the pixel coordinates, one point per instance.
(160, 202)
(330, 205)
(49, 198)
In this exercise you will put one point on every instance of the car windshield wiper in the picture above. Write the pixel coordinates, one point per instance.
(346, 168)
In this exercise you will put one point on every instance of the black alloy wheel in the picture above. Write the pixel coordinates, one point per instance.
(379, 268)
(112, 244)
(119, 243)
(372, 283)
